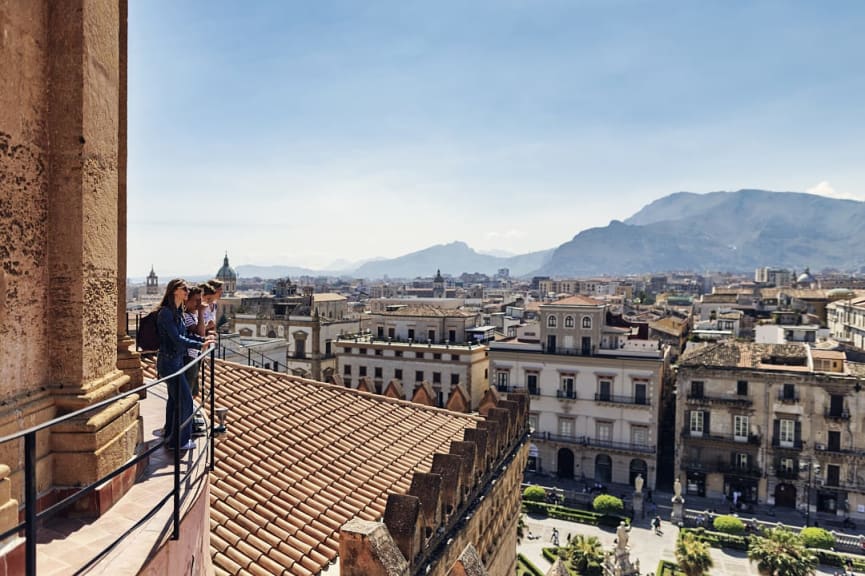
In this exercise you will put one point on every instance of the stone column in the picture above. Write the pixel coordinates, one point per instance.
(84, 129)
(128, 360)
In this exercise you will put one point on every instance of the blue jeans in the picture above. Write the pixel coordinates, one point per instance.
(178, 394)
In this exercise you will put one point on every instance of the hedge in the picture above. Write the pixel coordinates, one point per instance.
(573, 514)
(527, 567)
(667, 568)
(534, 494)
(815, 537)
(607, 504)
(729, 525)
(551, 554)
(831, 558)
(719, 539)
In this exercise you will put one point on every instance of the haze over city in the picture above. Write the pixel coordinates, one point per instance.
(303, 134)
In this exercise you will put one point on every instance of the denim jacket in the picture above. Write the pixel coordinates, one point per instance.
(173, 341)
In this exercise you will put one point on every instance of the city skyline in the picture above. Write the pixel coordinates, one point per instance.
(301, 135)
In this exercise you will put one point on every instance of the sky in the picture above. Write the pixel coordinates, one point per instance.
(308, 133)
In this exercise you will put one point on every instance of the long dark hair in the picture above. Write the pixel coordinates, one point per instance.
(168, 298)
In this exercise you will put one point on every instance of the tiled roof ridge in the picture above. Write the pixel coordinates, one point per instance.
(328, 386)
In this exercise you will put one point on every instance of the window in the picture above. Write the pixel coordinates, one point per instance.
(788, 393)
(378, 351)
(452, 335)
(605, 389)
(566, 426)
(533, 422)
(455, 379)
(786, 433)
(397, 353)
(411, 333)
(361, 351)
(604, 431)
(740, 428)
(437, 356)
(696, 389)
(391, 333)
(346, 369)
(431, 335)
(397, 374)
(380, 331)
(502, 377)
(362, 371)
(566, 389)
(437, 377)
(786, 466)
(640, 435)
(455, 357)
(697, 421)
(833, 475)
(741, 461)
(419, 355)
(551, 321)
(641, 395)
(569, 321)
(532, 383)
(587, 322)
(418, 376)
(742, 388)
(377, 371)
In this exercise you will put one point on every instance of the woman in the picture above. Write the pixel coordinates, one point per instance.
(173, 346)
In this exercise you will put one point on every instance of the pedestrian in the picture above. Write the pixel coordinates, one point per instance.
(173, 343)
(656, 524)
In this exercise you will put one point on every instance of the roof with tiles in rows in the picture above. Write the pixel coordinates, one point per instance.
(301, 458)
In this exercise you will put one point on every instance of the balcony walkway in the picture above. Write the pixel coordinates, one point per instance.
(67, 545)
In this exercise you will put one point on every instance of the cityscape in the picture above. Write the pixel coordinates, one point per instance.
(404, 290)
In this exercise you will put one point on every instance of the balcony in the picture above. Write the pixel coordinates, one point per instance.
(613, 399)
(720, 466)
(566, 394)
(753, 439)
(788, 398)
(705, 400)
(786, 474)
(597, 443)
(839, 415)
(786, 445)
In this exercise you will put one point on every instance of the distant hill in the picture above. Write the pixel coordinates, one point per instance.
(454, 258)
(721, 231)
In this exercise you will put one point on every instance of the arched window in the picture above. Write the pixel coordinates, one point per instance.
(569, 321)
(551, 321)
(587, 321)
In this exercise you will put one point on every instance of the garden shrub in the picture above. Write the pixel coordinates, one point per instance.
(729, 525)
(534, 494)
(607, 504)
(814, 537)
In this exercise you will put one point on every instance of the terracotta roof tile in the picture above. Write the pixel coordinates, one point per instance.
(301, 458)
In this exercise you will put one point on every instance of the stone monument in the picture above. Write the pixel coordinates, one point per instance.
(618, 562)
(677, 517)
(638, 497)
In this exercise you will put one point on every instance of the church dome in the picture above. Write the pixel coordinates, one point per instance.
(806, 277)
(226, 273)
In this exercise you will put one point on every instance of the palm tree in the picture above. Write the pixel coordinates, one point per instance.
(692, 555)
(586, 555)
(781, 553)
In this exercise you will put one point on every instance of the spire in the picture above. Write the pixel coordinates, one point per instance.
(225, 261)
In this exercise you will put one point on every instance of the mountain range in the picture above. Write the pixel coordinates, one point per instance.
(730, 231)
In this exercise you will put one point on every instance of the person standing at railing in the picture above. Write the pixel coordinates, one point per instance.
(212, 297)
(173, 344)
(193, 322)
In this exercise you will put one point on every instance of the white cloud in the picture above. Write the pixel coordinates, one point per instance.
(824, 188)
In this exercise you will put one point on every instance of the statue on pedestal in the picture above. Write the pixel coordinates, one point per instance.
(638, 484)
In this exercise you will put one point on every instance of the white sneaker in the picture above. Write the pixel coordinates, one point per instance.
(189, 446)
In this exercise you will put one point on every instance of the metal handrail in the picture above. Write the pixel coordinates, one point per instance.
(32, 516)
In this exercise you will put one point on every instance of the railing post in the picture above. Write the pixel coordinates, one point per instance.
(249, 356)
(212, 409)
(178, 410)
(30, 503)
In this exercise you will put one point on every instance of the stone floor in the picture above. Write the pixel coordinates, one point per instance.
(65, 546)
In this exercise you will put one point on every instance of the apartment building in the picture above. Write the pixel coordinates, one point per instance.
(846, 317)
(406, 347)
(776, 423)
(595, 392)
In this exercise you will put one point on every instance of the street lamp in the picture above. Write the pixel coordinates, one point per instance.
(813, 472)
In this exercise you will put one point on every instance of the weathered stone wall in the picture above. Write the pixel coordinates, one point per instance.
(24, 200)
